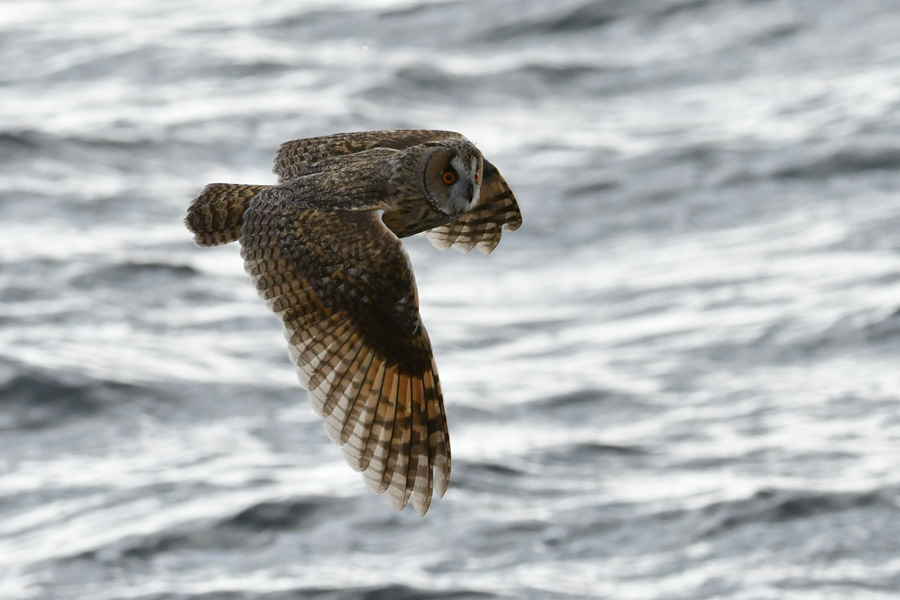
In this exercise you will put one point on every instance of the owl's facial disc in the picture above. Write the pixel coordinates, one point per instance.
(455, 181)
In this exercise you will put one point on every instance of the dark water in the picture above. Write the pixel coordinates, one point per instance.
(679, 379)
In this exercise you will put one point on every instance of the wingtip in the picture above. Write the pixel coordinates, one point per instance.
(441, 476)
(421, 507)
(513, 225)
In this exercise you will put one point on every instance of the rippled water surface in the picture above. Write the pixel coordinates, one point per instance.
(679, 378)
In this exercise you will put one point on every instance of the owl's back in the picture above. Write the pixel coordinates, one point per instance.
(347, 182)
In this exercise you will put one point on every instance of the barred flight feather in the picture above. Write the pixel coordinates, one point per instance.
(362, 433)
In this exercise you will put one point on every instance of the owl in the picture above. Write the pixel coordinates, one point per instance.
(323, 248)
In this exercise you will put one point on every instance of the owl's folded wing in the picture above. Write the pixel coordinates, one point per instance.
(342, 285)
(483, 225)
(296, 156)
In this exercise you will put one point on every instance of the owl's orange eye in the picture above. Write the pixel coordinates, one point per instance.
(449, 177)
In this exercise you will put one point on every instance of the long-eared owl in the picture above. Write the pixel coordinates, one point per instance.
(323, 248)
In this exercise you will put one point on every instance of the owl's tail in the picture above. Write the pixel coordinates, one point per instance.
(216, 215)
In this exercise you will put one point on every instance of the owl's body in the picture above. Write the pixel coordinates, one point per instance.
(323, 249)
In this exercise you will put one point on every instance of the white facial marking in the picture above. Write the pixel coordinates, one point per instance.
(476, 194)
(459, 199)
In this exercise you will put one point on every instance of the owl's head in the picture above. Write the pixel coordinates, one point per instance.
(452, 175)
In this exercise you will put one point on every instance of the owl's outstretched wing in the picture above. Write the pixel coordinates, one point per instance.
(296, 156)
(484, 223)
(343, 286)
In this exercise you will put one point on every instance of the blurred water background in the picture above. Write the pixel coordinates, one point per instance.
(678, 380)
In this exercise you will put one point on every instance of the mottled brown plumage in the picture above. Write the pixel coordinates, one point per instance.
(323, 249)
(217, 215)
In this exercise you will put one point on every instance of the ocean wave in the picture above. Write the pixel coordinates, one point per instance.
(774, 505)
(318, 592)
(19, 144)
(248, 529)
(845, 160)
(286, 514)
(35, 398)
(404, 592)
(131, 274)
